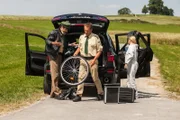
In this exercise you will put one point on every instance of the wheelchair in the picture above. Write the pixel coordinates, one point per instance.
(74, 70)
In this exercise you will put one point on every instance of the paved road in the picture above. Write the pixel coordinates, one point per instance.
(153, 104)
(153, 108)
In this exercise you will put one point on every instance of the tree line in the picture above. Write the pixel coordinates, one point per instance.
(154, 7)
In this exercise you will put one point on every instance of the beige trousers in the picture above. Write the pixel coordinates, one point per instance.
(95, 77)
(55, 68)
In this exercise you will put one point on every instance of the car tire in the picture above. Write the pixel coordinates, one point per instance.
(118, 77)
(114, 78)
(47, 84)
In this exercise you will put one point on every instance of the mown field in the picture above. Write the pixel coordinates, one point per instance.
(155, 19)
(16, 89)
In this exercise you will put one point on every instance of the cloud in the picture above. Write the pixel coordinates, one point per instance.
(114, 6)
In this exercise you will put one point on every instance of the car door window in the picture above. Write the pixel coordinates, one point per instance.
(36, 44)
(122, 41)
(142, 45)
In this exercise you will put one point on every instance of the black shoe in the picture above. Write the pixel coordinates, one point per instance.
(77, 99)
(52, 95)
(72, 95)
(100, 97)
(60, 96)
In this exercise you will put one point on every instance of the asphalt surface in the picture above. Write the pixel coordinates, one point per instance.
(153, 108)
(153, 104)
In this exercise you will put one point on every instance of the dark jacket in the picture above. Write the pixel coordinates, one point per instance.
(52, 50)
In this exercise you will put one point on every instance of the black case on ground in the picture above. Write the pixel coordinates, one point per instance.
(127, 94)
(113, 93)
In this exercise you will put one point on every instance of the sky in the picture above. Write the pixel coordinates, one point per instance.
(58, 7)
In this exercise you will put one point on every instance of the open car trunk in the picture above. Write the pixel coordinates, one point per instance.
(77, 21)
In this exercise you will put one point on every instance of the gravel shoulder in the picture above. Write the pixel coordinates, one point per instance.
(151, 86)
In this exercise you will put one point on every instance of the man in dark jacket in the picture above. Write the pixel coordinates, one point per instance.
(55, 45)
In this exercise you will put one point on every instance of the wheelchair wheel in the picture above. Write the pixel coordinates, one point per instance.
(74, 70)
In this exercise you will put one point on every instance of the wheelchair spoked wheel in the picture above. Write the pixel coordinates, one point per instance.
(74, 70)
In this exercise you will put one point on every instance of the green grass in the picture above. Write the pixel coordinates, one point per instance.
(24, 17)
(15, 87)
(38, 26)
(169, 57)
(144, 27)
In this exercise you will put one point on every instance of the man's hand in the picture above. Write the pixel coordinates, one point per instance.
(73, 44)
(125, 66)
(57, 43)
(74, 54)
(92, 62)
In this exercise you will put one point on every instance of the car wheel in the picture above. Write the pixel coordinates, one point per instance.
(114, 78)
(118, 79)
(47, 84)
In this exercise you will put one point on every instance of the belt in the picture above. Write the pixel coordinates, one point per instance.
(88, 58)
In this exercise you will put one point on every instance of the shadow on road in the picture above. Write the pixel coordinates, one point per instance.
(147, 94)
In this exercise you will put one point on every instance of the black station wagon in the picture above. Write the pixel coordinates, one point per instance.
(111, 61)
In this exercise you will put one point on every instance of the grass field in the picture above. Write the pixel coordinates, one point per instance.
(16, 89)
(169, 58)
(144, 27)
(156, 19)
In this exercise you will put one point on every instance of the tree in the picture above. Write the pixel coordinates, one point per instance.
(124, 10)
(145, 9)
(156, 6)
(171, 12)
(165, 10)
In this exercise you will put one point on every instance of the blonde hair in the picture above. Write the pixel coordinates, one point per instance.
(132, 39)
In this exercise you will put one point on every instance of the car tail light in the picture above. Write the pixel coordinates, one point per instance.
(55, 19)
(47, 71)
(47, 58)
(110, 70)
(110, 57)
(102, 19)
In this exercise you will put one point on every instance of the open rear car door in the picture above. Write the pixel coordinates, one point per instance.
(145, 53)
(35, 54)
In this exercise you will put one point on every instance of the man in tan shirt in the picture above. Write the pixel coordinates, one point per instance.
(90, 48)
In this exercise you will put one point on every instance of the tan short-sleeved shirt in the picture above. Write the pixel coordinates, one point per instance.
(94, 45)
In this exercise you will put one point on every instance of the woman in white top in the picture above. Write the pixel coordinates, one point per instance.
(131, 63)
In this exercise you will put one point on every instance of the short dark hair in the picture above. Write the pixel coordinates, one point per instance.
(89, 25)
